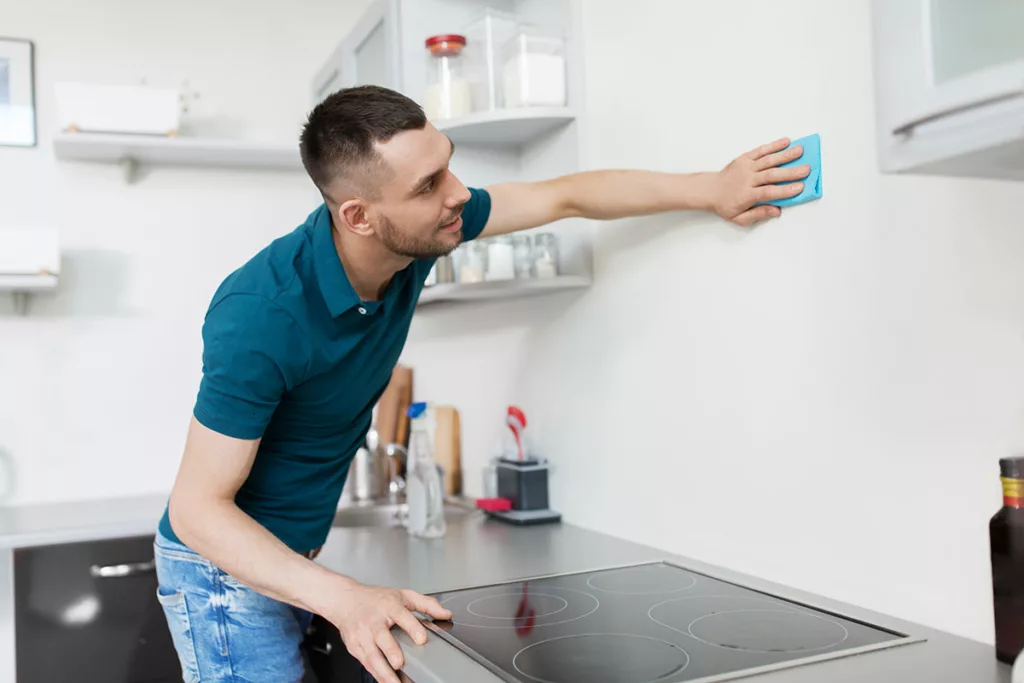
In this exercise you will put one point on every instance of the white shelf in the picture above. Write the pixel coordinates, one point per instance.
(505, 127)
(27, 283)
(133, 150)
(501, 289)
(23, 287)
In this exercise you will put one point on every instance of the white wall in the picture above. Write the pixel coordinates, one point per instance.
(821, 401)
(96, 386)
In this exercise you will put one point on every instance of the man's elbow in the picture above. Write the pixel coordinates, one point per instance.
(183, 509)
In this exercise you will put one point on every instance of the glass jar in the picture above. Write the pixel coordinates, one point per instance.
(487, 35)
(472, 262)
(522, 247)
(533, 74)
(545, 256)
(449, 94)
(500, 258)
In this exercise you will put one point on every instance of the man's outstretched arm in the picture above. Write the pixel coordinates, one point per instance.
(733, 193)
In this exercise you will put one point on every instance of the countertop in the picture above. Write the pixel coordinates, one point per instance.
(481, 551)
(90, 520)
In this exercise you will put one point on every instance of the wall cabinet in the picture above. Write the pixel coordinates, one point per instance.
(368, 55)
(496, 142)
(950, 86)
(88, 612)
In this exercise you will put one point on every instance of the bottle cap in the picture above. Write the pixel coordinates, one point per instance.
(1012, 468)
(416, 409)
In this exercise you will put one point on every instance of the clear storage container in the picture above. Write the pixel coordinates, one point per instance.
(449, 94)
(522, 246)
(545, 255)
(472, 261)
(534, 71)
(500, 258)
(487, 35)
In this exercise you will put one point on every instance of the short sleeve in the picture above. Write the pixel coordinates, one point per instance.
(475, 214)
(252, 354)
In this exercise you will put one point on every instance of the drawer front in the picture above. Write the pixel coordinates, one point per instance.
(88, 612)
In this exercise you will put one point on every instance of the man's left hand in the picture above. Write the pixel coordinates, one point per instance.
(752, 178)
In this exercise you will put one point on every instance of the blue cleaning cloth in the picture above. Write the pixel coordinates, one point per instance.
(812, 183)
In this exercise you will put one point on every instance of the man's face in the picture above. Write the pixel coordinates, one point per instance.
(420, 207)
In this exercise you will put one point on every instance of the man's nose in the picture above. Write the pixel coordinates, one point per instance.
(460, 194)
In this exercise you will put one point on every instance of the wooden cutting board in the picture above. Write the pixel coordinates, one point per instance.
(448, 447)
(392, 424)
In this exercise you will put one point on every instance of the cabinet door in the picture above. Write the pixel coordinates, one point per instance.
(937, 59)
(88, 612)
(369, 55)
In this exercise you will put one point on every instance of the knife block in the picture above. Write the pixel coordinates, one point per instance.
(525, 484)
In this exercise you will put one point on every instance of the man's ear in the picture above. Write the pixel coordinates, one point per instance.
(353, 216)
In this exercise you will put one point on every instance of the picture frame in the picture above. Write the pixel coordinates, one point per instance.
(17, 93)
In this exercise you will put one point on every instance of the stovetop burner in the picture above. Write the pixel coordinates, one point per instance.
(601, 658)
(749, 624)
(649, 623)
(519, 607)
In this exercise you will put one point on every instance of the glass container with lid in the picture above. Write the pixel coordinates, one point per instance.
(448, 94)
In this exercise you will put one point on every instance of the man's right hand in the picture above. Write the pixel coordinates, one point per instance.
(365, 614)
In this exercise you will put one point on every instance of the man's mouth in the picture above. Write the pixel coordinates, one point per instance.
(454, 226)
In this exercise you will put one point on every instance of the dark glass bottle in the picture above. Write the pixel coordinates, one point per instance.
(1006, 537)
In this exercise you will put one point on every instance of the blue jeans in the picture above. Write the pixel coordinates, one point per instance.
(223, 631)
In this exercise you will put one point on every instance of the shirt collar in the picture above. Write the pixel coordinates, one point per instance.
(335, 288)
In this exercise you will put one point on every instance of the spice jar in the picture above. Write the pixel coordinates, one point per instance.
(500, 258)
(472, 262)
(545, 256)
(449, 94)
(522, 247)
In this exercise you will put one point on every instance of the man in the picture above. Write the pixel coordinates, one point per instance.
(300, 342)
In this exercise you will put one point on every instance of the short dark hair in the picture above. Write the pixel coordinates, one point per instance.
(341, 131)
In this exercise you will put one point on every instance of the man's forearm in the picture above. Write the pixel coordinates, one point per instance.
(221, 532)
(740, 193)
(608, 195)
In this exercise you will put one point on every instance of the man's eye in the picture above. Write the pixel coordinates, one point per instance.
(427, 188)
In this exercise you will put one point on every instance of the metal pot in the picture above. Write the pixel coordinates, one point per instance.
(369, 474)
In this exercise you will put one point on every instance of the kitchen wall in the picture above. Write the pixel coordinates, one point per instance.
(96, 385)
(821, 401)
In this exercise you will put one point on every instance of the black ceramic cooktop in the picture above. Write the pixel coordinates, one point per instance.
(643, 624)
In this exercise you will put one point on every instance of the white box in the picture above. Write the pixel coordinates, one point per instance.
(29, 252)
(137, 109)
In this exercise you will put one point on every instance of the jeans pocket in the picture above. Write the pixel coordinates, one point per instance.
(180, 626)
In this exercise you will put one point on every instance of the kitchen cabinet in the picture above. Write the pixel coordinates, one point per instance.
(950, 86)
(368, 55)
(328, 659)
(87, 611)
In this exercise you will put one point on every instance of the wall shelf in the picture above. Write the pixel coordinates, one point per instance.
(132, 151)
(501, 289)
(21, 287)
(506, 127)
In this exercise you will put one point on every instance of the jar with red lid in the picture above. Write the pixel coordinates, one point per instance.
(449, 94)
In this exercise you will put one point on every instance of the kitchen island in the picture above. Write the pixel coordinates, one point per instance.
(477, 551)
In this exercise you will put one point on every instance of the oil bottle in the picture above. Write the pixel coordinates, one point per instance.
(1006, 538)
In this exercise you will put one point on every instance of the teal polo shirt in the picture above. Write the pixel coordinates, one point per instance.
(291, 354)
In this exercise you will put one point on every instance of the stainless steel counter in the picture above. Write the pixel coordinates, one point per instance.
(88, 520)
(478, 551)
